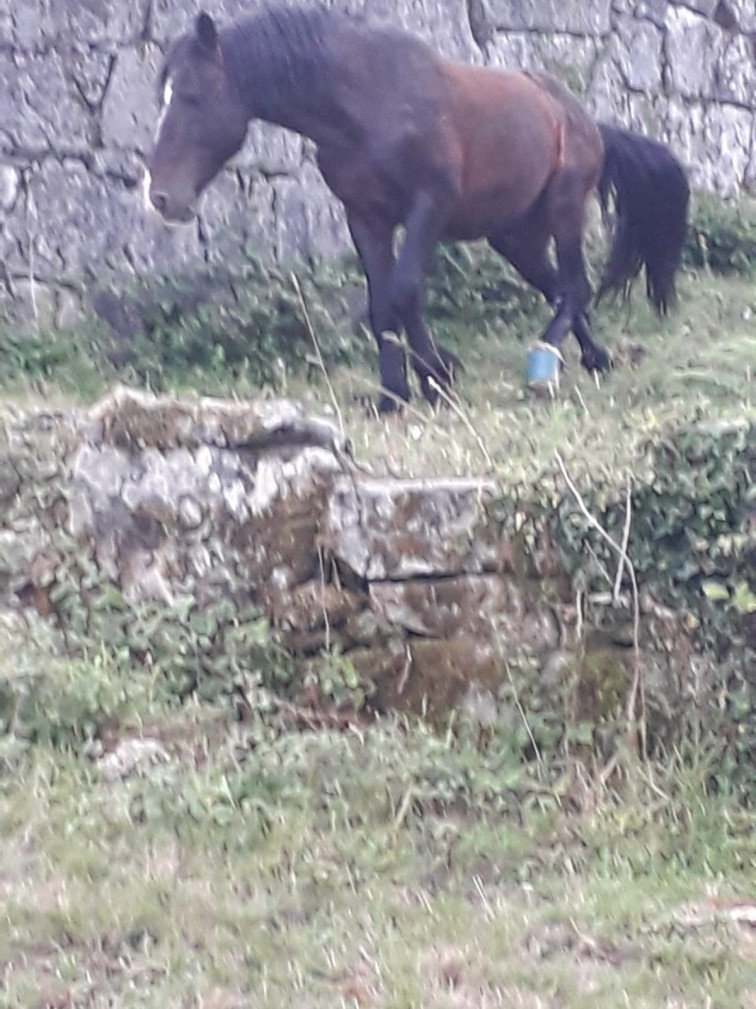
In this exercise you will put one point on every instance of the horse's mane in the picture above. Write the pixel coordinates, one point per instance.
(280, 52)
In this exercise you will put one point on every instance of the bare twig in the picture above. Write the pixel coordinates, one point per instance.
(599, 566)
(524, 717)
(326, 619)
(464, 418)
(320, 718)
(404, 676)
(623, 548)
(579, 614)
(316, 345)
(403, 807)
(582, 402)
(621, 551)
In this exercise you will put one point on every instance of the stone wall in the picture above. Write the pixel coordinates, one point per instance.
(77, 112)
(433, 591)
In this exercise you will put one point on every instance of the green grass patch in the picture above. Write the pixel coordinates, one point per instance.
(295, 873)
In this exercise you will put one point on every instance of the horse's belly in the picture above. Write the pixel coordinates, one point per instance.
(478, 215)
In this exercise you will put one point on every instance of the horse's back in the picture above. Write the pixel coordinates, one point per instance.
(489, 139)
(582, 138)
(394, 61)
(516, 107)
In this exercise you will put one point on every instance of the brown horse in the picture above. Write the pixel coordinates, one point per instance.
(447, 151)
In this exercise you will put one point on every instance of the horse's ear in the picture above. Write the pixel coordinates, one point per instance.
(206, 31)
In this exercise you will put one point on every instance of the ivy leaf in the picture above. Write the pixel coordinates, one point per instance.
(744, 599)
(715, 590)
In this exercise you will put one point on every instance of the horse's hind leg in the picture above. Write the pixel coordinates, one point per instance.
(571, 307)
(593, 357)
(373, 242)
(566, 199)
(526, 248)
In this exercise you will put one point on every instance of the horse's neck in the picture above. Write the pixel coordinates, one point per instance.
(272, 92)
(319, 125)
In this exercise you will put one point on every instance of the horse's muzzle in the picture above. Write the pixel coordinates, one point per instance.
(172, 210)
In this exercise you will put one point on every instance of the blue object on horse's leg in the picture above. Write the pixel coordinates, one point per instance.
(543, 367)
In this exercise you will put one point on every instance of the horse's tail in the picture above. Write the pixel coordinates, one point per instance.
(651, 193)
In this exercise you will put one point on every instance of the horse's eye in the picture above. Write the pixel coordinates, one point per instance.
(193, 101)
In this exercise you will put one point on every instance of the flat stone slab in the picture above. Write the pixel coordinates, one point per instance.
(131, 419)
(390, 530)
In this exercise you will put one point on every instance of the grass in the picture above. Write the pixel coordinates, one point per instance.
(699, 363)
(385, 866)
(135, 893)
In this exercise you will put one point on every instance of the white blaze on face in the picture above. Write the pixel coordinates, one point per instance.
(165, 102)
(167, 95)
(146, 182)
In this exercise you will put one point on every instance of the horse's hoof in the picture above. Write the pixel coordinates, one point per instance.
(596, 359)
(388, 404)
(429, 387)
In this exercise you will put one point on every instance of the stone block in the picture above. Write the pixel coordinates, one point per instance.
(9, 187)
(494, 608)
(637, 50)
(167, 491)
(398, 529)
(591, 17)
(41, 112)
(569, 58)
(428, 677)
(129, 110)
(43, 24)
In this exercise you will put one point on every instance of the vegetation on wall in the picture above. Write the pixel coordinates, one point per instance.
(722, 236)
(692, 551)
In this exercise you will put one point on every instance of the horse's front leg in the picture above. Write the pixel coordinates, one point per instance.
(373, 241)
(424, 225)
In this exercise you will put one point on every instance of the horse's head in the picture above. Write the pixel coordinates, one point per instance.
(202, 124)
